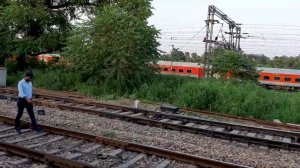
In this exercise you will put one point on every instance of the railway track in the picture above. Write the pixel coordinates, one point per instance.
(73, 96)
(264, 123)
(65, 148)
(268, 124)
(11, 160)
(273, 138)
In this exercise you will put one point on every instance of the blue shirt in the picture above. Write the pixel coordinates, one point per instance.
(25, 89)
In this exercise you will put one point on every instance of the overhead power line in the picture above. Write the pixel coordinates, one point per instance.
(193, 37)
(271, 25)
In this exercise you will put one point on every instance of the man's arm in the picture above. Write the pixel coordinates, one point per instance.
(20, 89)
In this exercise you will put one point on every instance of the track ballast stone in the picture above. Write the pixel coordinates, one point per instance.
(200, 145)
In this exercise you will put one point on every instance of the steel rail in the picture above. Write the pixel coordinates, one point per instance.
(184, 128)
(184, 119)
(178, 156)
(71, 97)
(264, 123)
(41, 156)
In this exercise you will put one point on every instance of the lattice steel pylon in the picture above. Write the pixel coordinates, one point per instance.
(233, 43)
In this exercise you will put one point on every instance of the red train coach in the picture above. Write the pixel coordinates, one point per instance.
(276, 77)
(268, 77)
(181, 68)
(48, 57)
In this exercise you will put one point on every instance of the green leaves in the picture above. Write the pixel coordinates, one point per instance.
(238, 65)
(31, 27)
(117, 47)
(138, 8)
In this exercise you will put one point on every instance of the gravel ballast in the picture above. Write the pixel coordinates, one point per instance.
(200, 145)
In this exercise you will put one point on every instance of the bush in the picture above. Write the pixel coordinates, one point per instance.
(225, 96)
(34, 63)
(161, 88)
(56, 79)
(10, 65)
(13, 79)
(115, 50)
(200, 95)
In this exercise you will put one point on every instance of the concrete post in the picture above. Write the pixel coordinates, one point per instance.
(3, 72)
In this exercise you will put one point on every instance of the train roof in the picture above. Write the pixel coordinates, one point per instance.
(52, 55)
(279, 70)
(185, 64)
(261, 69)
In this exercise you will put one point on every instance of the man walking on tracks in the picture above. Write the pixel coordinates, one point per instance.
(25, 101)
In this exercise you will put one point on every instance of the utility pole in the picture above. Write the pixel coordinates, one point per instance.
(234, 35)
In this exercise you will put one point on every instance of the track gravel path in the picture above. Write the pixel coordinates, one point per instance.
(200, 145)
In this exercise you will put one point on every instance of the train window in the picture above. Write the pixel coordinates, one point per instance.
(298, 80)
(287, 79)
(166, 69)
(266, 78)
(277, 78)
(189, 71)
(181, 70)
(173, 70)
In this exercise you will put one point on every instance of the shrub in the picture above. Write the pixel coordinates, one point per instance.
(11, 66)
(56, 79)
(116, 49)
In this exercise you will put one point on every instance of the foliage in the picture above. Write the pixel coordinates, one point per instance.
(5, 43)
(117, 47)
(138, 8)
(33, 27)
(288, 62)
(10, 65)
(178, 55)
(238, 65)
(56, 79)
(241, 98)
(13, 79)
(161, 88)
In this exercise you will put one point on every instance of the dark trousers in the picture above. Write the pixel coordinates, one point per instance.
(22, 103)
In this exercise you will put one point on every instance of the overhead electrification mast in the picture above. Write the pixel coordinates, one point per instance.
(233, 43)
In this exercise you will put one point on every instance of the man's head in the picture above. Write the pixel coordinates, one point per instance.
(28, 76)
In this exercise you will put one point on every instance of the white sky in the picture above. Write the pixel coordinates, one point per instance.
(273, 24)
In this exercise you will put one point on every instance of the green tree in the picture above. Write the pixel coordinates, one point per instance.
(166, 57)
(237, 64)
(5, 37)
(117, 47)
(178, 55)
(32, 27)
(196, 58)
(260, 60)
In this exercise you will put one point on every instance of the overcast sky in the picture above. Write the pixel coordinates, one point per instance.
(274, 25)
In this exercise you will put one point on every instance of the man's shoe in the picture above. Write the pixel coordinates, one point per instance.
(18, 131)
(38, 129)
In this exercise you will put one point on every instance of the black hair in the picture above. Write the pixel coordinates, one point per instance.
(29, 74)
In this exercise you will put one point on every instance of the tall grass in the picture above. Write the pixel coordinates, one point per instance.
(224, 96)
(229, 97)
(56, 79)
(13, 79)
